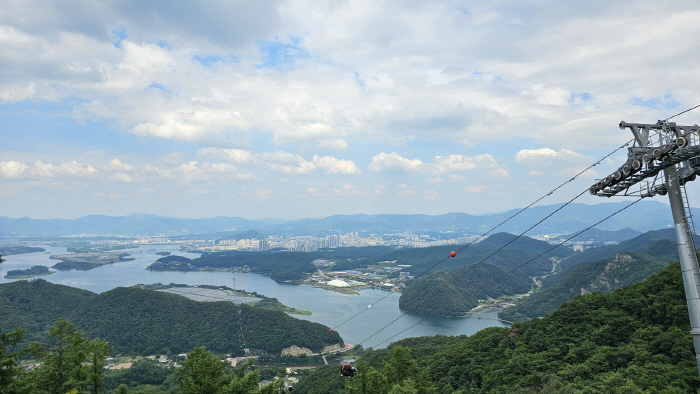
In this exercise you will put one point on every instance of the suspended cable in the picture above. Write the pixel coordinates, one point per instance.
(511, 271)
(681, 113)
(480, 237)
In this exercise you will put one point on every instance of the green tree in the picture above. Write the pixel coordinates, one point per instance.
(97, 352)
(401, 365)
(9, 370)
(123, 389)
(367, 381)
(62, 367)
(242, 382)
(202, 372)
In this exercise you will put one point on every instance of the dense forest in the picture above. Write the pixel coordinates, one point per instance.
(452, 291)
(634, 340)
(604, 276)
(140, 321)
(69, 362)
(447, 293)
(456, 292)
(601, 269)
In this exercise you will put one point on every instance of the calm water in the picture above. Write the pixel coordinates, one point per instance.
(328, 307)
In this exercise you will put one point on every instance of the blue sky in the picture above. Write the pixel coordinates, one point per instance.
(297, 109)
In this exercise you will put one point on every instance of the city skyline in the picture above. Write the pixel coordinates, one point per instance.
(290, 109)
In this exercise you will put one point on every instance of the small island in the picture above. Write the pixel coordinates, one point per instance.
(87, 261)
(8, 250)
(37, 270)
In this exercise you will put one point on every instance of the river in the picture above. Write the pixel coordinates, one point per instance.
(328, 307)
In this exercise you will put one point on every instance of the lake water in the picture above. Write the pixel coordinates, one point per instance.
(328, 307)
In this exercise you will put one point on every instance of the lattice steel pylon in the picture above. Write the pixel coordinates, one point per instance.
(675, 150)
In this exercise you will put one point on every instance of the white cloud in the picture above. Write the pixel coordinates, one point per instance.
(12, 169)
(118, 165)
(475, 188)
(174, 157)
(50, 170)
(331, 165)
(453, 163)
(234, 155)
(287, 163)
(348, 190)
(263, 194)
(460, 163)
(333, 144)
(220, 168)
(550, 157)
(395, 162)
(191, 172)
(123, 177)
(13, 94)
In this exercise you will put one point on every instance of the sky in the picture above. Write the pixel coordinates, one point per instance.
(293, 109)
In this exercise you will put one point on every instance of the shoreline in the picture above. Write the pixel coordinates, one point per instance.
(27, 276)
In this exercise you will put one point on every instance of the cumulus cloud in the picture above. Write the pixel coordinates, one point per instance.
(333, 144)
(331, 165)
(174, 157)
(192, 172)
(118, 165)
(395, 162)
(233, 155)
(12, 169)
(453, 163)
(123, 177)
(219, 168)
(13, 94)
(170, 75)
(475, 188)
(287, 163)
(549, 157)
(263, 194)
(15, 169)
(348, 190)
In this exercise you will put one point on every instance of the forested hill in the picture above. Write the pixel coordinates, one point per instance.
(634, 340)
(456, 292)
(456, 288)
(601, 269)
(605, 275)
(639, 243)
(140, 321)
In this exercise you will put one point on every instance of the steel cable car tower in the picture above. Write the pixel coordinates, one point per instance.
(675, 150)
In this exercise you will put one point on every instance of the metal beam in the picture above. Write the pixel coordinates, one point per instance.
(688, 257)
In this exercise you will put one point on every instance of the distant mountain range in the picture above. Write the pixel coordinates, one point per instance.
(644, 216)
